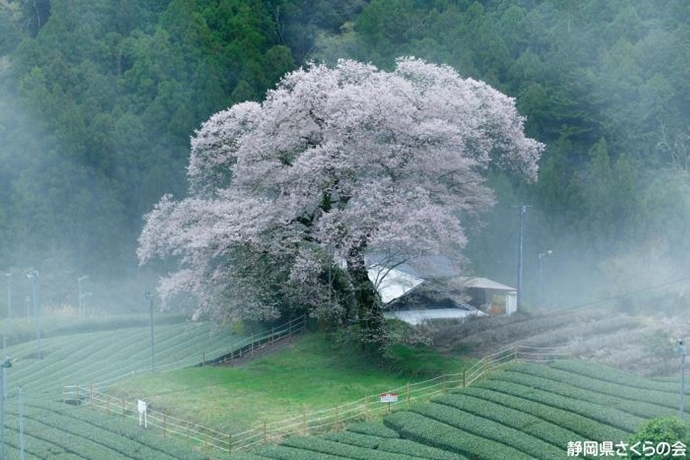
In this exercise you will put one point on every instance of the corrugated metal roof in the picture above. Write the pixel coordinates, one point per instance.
(484, 283)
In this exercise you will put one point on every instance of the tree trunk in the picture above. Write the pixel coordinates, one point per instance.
(369, 313)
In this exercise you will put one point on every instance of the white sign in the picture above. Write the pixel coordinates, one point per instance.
(141, 405)
(389, 397)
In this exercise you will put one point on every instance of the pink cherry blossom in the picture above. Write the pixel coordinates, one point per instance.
(338, 161)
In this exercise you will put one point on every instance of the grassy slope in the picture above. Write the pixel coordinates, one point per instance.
(308, 375)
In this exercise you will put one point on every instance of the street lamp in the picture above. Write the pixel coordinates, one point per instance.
(5, 365)
(81, 295)
(32, 274)
(541, 275)
(153, 352)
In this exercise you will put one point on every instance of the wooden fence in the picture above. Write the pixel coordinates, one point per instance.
(307, 423)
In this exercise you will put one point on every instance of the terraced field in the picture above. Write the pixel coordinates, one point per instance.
(106, 356)
(524, 411)
(641, 344)
(55, 430)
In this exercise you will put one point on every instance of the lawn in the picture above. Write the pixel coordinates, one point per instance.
(308, 375)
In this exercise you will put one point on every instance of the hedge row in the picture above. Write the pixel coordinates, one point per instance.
(611, 374)
(315, 444)
(33, 447)
(489, 429)
(586, 391)
(586, 428)
(646, 395)
(355, 439)
(281, 452)
(530, 424)
(124, 434)
(373, 429)
(424, 430)
(395, 445)
(611, 417)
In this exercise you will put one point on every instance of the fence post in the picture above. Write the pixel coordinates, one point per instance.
(163, 425)
(408, 395)
(515, 356)
(230, 444)
(265, 434)
(463, 378)
(64, 400)
(107, 405)
(443, 384)
(123, 407)
(91, 398)
(203, 358)
(273, 335)
(205, 442)
(366, 408)
(187, 430)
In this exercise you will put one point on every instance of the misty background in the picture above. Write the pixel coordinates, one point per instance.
(99, 98)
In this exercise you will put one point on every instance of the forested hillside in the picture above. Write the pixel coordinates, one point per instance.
(99, 98)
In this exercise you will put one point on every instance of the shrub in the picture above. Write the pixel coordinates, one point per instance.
(666, 429)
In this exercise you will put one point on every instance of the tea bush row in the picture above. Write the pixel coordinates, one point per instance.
(424, 430)
(373, 429)
(327, 446)
(587, 428)
(489, 429)
(610, 374)
(599, 385)
(622, 400)
(611, 417)
(281, 452)
(69, 360)
(527, 423)
(122, 436)
(395, 445)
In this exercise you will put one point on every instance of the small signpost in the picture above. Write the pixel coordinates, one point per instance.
(141, 405)
(389, 398)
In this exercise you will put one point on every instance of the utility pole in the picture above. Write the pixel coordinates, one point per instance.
(9, 301)
(683, 351)
(32, 274)
(523, 210)
(21, 423)
(153, 351)
(81, 294)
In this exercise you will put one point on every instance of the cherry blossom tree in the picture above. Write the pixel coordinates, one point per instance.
(337, 162)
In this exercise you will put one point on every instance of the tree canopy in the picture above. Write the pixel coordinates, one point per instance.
(340, 161)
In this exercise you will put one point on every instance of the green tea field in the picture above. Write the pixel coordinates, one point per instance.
(53, 429)
(524, 411)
